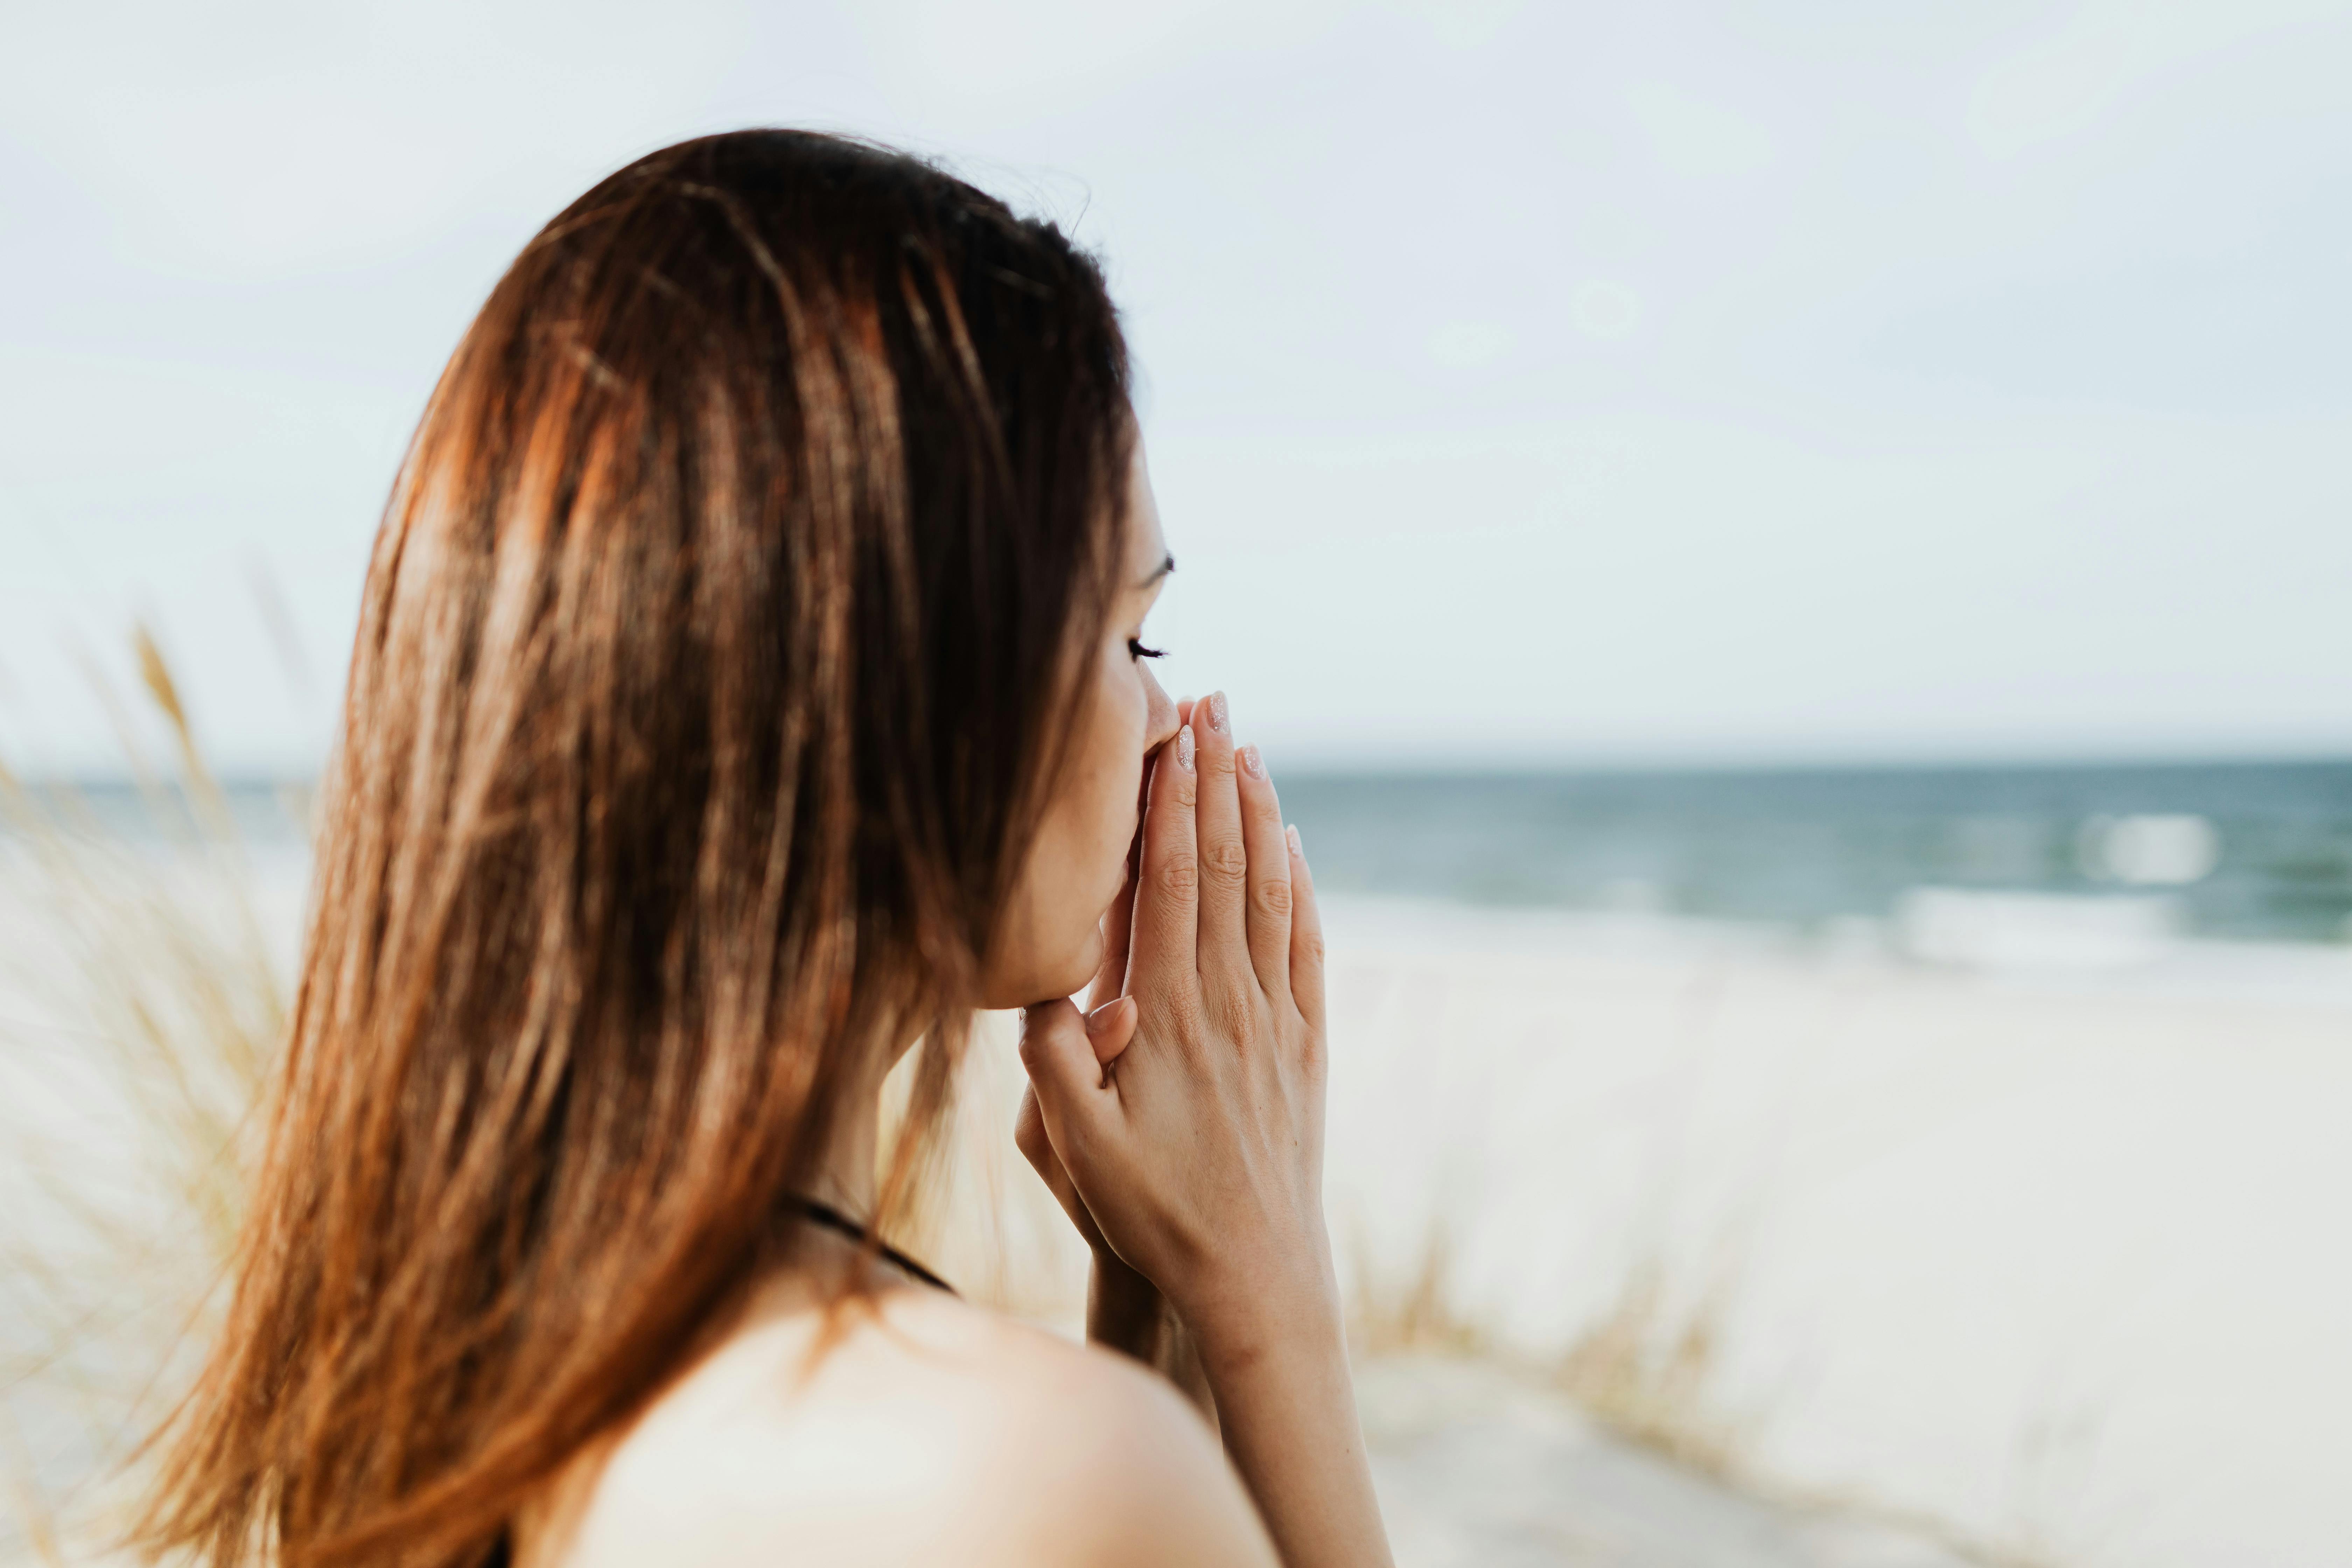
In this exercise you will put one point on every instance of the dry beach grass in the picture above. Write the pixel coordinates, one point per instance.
(145, 1008)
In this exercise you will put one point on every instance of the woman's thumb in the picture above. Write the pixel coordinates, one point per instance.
(1110, 1027)
(1062, 1065)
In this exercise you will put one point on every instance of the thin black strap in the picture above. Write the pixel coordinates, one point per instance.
(834, 1220)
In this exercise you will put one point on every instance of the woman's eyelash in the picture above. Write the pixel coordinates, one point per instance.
(1136, 649)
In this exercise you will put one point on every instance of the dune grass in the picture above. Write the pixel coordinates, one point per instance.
(1646, 1368)
(126, 1097)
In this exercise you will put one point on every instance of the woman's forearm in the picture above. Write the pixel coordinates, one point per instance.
(1274, 1381)
(1287, 1403)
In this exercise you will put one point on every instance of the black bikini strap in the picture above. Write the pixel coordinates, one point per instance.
(833, 1219)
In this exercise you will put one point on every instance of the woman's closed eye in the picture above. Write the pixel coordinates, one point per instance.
(1136, 649)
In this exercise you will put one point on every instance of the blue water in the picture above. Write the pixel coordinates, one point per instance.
(1792, 846)
(1810, 845)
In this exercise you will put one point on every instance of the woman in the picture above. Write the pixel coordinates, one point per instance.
(749, 686)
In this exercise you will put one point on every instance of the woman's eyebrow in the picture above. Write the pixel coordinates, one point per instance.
(1167, 565)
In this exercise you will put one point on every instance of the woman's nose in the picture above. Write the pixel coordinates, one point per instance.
(1159, 719)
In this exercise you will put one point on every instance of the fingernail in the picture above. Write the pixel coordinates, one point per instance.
(1252, 763)
(1184, 748)
(1291, 832)
(1217, 711)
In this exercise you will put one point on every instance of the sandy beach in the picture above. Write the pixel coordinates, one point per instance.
(2055, 1257)
(1479, 1468)
(1679, 1243)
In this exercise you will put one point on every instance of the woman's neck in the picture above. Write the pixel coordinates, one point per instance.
(845, 1178)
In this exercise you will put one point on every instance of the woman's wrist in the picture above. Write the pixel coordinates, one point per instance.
(1251, 1315)
(1286, 1407)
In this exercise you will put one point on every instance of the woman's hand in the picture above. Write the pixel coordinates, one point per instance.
(1188, 1122)
(1195, 1147)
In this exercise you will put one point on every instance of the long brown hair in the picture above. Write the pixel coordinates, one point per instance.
(707, 688)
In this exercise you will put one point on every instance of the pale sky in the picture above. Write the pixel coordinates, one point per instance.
(1523, 383)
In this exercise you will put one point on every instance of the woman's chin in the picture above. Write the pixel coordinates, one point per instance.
(1044, 979)
(1088, 959)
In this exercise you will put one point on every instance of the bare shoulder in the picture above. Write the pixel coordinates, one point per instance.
(929, 1431)
(1111, 1464)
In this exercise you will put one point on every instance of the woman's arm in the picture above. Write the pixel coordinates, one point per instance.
(1126, 1312)
(1189, 1117)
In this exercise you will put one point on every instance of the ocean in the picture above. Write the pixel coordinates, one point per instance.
(2248, 851)
(2244, 850)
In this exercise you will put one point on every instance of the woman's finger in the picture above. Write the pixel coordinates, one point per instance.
(1029, 1136)
(1167, 894)
(1269, 873)
(1306, 938)
(1225, 859)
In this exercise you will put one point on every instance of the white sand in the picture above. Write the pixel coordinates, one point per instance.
(2061, 1259)
(1478, 1469)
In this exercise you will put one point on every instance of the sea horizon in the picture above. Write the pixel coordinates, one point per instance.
(2244, 848)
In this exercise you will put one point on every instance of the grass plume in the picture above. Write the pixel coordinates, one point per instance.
(155, 1010)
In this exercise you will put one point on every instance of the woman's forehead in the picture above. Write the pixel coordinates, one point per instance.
(1147, 545)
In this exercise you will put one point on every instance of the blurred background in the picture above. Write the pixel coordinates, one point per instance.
(1790, 561)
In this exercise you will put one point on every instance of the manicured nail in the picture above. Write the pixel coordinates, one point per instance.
(1217, 711)
(1291, 832)
(1184, 748)
(1252, 763)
